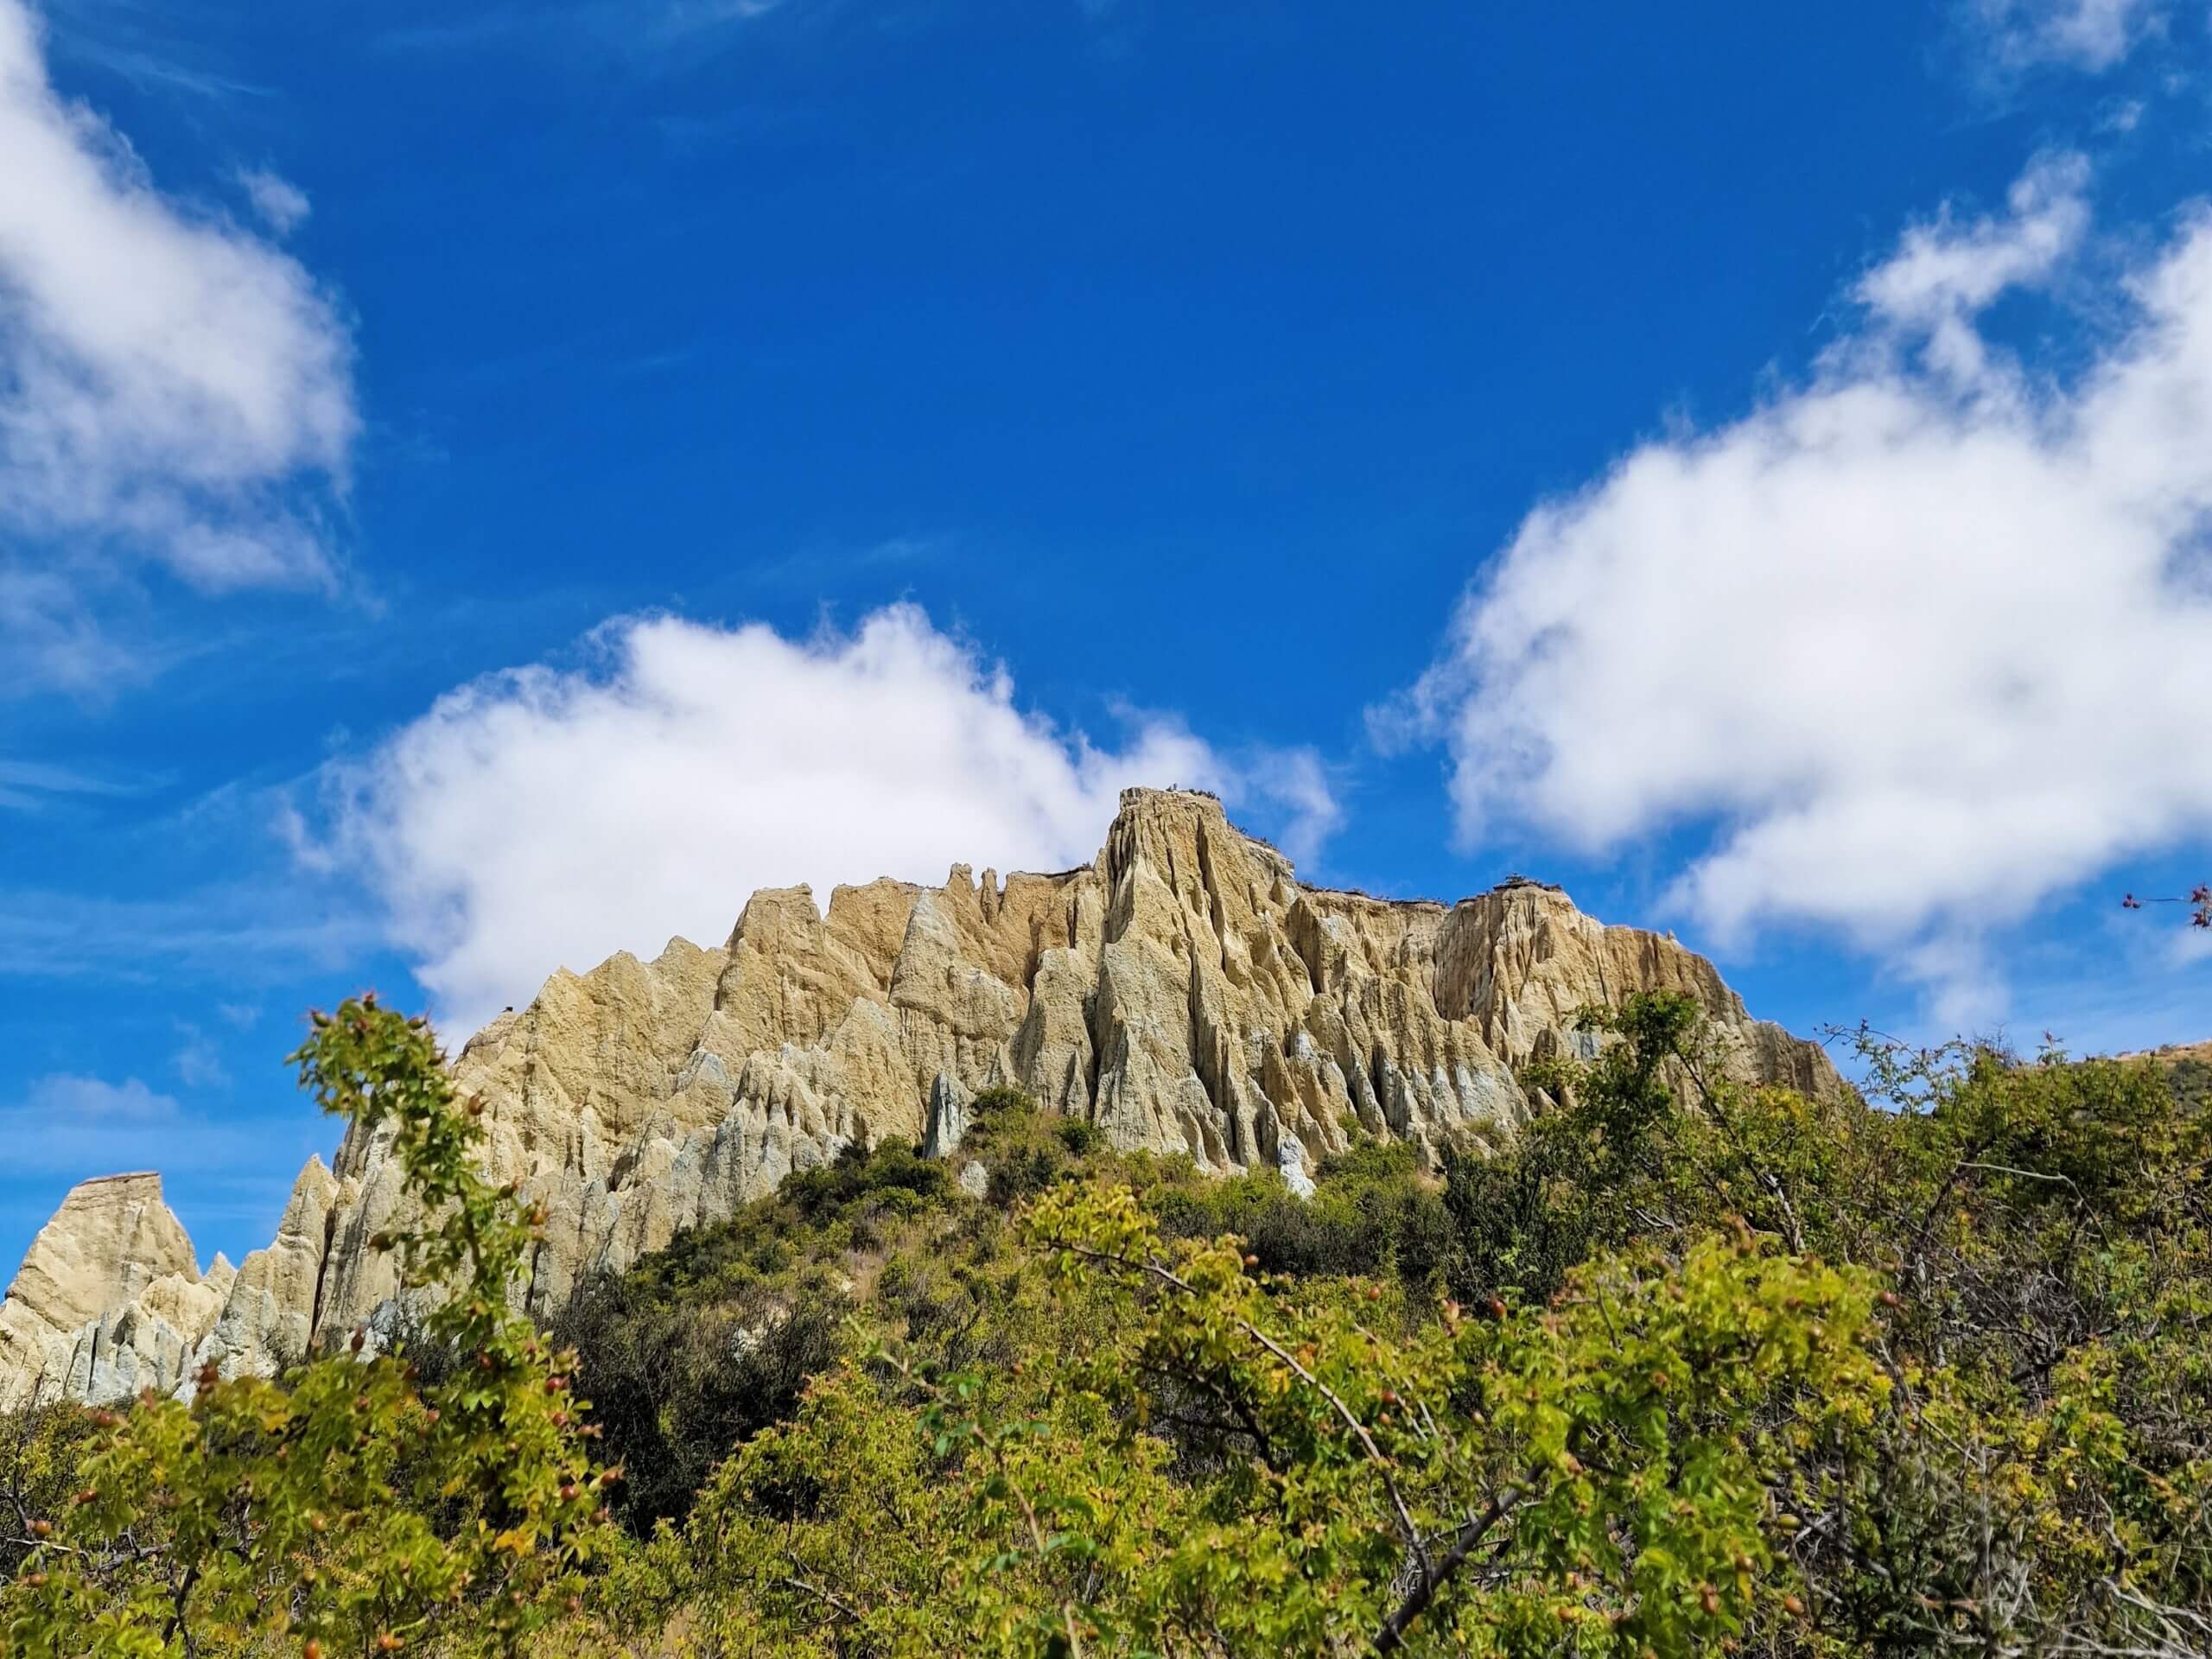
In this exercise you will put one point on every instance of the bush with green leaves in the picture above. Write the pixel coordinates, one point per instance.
(702, 1344)
(42, 1444)
(2041, 1231)
(347, 1506)
(1372, 1212)
(1602, 1476)
(1737, 1371)
(1684, 1368)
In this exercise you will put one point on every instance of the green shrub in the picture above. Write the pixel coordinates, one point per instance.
(349, 1507)
(1721, 1371)
(1372, 1213)
(676, 1383)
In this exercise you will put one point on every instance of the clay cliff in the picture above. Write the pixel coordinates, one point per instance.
(110, 1299)
(1184, 992)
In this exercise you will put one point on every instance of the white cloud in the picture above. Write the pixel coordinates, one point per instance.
(2124, 116)
(1918, 642)
(2089, 35)
(283, 206)
(541, 819)
(172, 389)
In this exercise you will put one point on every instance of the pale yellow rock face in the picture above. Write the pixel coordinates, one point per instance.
(1183, 991)
(113, 1246)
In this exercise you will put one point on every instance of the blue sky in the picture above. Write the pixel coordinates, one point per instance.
(481, 487)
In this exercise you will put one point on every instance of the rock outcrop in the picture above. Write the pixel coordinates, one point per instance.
(110, 1299)
(1184, 992)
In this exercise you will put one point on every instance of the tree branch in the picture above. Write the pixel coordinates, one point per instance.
(1392, 1635)
(1344, 1413)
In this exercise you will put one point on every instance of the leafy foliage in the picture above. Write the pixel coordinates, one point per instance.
(1684, 1368)
(1474, 1485)
(714, 1337)
(342, 1507)
(1585, 1174)
(1373, 1213)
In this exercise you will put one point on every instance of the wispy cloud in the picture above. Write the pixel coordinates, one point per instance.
(157, 46)
(651, 36)
(198, 1063)
(251, 930)
(150, 72)
(680, 17)
(32, 785)
(812, 569)
(2085, 35)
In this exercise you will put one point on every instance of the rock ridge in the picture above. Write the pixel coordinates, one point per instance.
(1184, 992)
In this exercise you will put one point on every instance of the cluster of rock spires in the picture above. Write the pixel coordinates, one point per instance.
(1184, 992)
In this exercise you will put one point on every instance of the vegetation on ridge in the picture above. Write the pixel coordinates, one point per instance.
(1686, 1369)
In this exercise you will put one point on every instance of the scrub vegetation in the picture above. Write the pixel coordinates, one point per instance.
(1686, 1369)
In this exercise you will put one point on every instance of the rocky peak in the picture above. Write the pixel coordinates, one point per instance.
(113, 1247)
(1184, 992)
(111, 1234)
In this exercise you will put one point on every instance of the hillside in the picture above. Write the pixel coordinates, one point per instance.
(1681, 1368)
(1182, 993)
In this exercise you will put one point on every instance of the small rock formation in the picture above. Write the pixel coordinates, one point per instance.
(948, 1117)
(110, 1299)
(1183, 992)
